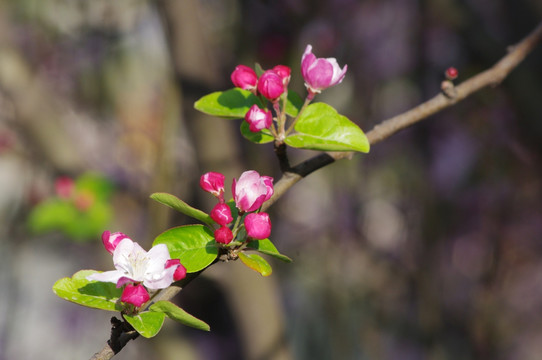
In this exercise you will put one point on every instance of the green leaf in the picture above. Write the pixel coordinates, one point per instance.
(294, 104)
(175, 203)
(265, 246)
(320, 127)
(147, 323)
(194, 245)
(233, 103)
(257, 263)
(93, 294)
(260, 137)
(176, 313)
(96, 184)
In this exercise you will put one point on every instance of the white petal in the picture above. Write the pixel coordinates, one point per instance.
(107, 276)
(160, 280)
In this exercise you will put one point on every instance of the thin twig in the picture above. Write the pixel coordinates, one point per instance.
(491, 77)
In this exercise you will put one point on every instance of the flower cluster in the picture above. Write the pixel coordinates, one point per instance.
(250, 191)
(138, 269)
(318, 73)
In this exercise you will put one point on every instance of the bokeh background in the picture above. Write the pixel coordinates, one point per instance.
(429, 247)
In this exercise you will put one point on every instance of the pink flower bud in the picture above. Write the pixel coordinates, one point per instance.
(213, 182)
(284, 72)
(251, 190)
(136, 295)
(271, 85)
(258, 119)
(111, 241)
(180, 272)
(223, 235)
(221, 214)
(258, 226)
(320, 73)
(244, 77)
(64, 187)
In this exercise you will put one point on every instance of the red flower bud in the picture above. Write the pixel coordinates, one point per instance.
(136, 295)
(258, 119)
(221, 214)
(180, 272)
(213, 182)
(271, 85)
(223, 235)
(258, 226)
(451, 73)
(111, 241)
(284, 72)
(244, 77)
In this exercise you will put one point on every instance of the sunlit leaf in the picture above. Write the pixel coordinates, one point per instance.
(260, 137)
(94, 294)
(147, 323)
(176, 313)
(256, 263)
(194, 245)
(175, 203)
(265, 246)
(320, 127)
(233, 103)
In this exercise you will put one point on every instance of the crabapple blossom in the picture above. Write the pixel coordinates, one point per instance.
(111, 241)
(135, 265)
(251, 190)
(221, 214)
(213, 183)
(258, 225)
(136, 295)
(244, 77)
(258, 119)
(271, 85)
(320, 73)
(223, 235)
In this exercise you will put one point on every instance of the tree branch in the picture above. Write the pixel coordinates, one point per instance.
(491, 77)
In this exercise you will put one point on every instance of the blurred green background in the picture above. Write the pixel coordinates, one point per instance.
(429, 247)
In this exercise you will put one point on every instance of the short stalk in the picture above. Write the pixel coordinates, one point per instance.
(308, 99)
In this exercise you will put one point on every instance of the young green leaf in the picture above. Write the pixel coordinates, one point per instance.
(93, 294)
(266, 247)
(194, 245)
(260, 137)
(175, 203)
(233, 103)
(320, 127)
(256, 263)
(176, 313)
(147, 323)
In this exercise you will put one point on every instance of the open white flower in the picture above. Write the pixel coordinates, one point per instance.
(135, 265)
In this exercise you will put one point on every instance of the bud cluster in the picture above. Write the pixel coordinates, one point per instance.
(250, 191)
(272, 85)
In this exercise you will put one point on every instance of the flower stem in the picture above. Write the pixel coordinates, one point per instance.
(308, 99)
